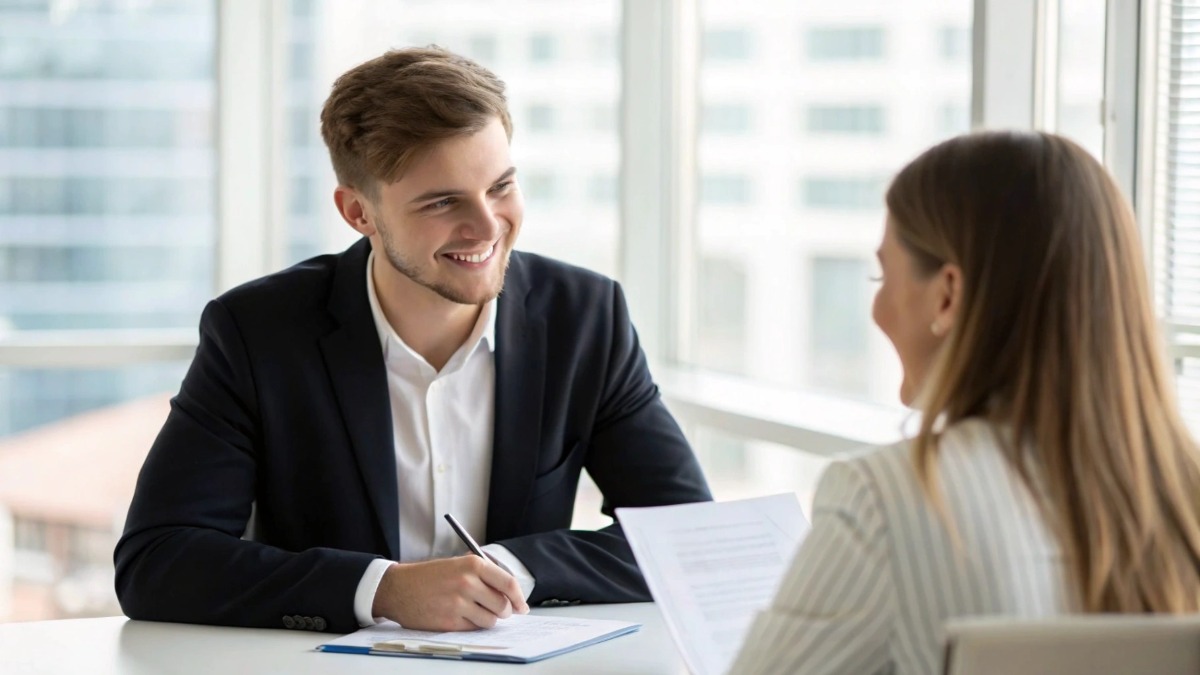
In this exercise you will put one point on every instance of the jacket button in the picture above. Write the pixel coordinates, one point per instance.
(319, 623)
(309, 624)
(289, 622)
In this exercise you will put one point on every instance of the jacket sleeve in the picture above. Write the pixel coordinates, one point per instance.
(181, 557)
(638, 456)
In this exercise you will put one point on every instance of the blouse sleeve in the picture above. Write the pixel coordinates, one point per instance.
(834, 610)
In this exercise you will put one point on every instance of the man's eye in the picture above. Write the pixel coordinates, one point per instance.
(440, 204)
(501, 187)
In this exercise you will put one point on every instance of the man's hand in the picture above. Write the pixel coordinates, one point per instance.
(462, 593)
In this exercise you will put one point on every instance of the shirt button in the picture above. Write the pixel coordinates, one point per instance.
(441, 468)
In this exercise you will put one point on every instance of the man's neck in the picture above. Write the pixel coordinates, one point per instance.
(429, 324)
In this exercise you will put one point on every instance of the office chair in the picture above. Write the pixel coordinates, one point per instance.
(1076, 645)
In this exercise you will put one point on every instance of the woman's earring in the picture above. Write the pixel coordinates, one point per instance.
(936, 329)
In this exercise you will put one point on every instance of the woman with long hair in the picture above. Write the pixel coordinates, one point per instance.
(1051, 473)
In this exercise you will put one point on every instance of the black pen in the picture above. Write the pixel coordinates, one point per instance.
(462, 534)
(470, 542)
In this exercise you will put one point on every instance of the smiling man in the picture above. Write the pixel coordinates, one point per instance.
(335, 411)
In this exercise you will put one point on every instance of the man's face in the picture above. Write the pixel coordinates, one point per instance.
(450, 222)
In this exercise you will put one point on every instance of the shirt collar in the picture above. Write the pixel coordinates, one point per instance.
(485, 325)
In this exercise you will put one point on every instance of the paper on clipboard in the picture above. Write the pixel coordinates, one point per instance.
(711, 566)
(521, 638)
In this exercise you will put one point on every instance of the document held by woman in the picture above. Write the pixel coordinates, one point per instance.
(711, 566)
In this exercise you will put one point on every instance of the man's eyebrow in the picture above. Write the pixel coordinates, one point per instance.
(440, 194)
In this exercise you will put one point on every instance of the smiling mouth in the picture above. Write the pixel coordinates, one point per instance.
(473, 257)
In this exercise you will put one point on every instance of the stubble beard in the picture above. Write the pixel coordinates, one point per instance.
(413, 272)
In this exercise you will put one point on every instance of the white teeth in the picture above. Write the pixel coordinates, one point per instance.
(476, 258)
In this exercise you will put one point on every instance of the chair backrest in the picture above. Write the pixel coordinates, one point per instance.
(1076, 645)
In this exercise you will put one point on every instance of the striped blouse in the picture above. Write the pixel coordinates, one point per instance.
(879, 574)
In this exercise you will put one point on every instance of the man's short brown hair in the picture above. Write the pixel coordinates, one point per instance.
(381, 113)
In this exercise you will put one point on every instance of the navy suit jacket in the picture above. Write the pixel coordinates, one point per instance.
(286, 408)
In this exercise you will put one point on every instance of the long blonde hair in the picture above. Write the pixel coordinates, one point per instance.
(1056, 339)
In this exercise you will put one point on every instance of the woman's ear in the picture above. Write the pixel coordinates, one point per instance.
(946, 298)
(352, 205)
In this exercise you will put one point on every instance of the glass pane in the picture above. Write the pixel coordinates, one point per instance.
(71, 445)
(107, 221)
(807, 109)
(736, 468)
(739, 468)
(561, 64)
(106, 163)
(1081, 73)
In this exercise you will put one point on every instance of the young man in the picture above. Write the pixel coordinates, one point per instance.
(339, 408)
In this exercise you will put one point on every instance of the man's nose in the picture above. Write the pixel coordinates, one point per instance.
(484, 223)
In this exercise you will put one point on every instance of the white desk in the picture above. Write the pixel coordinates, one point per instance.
(118, 645)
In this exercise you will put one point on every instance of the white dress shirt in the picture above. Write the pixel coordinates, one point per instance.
(879, 575)
(442, 435)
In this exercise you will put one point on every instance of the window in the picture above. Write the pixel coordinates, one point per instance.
(482, 48)
(309, 220)
(866, 120)
(107, 195)
(61, 430)
(727, 44)
(541, 118)
(721, 339)
(724, 189)
(953, 119)
(1189, 391)
(1176, 246)
(726, 119)
(786, 222)
(1081, 73)
(543, 48)
(48, 127)
(839, 357)
(602, 118)
(605, 48)
(540, 186)
(854, 193)
(602, 189)
(954, 44)
(740, 468)
(564, 130)
(29, 535)
(845, 44)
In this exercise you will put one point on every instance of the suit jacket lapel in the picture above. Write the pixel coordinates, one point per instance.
(354, 359)
(520, 379)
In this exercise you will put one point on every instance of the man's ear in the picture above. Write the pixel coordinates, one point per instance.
(355, 209)
(946, 290)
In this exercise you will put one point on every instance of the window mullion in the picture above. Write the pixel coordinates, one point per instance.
(1003, 78)
(657, 185)
(247, 191)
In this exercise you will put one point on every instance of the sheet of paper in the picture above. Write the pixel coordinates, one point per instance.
(521, 636)
(712, 566)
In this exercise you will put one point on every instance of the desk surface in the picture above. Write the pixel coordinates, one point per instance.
(118, 645)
